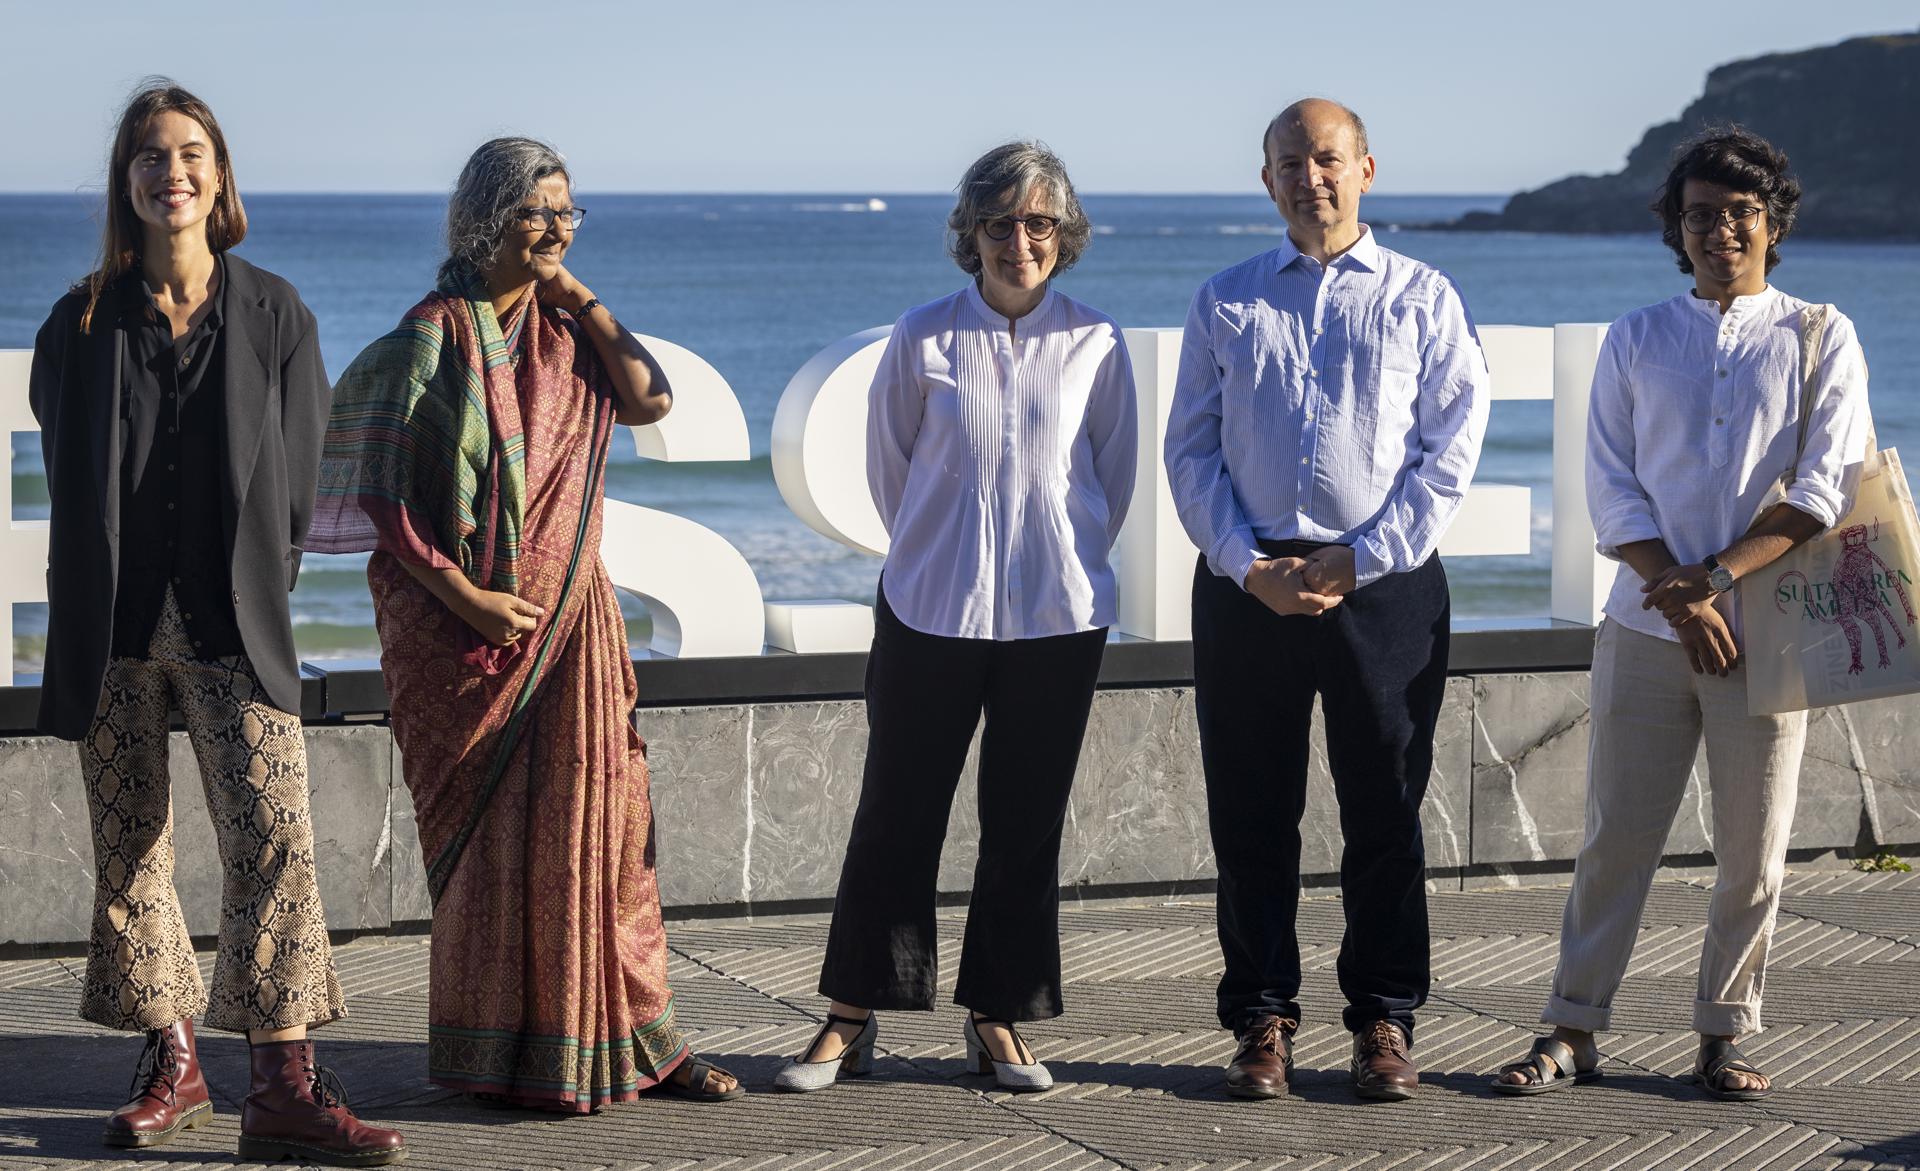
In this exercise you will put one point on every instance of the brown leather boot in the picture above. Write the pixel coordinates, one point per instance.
(169, 1093)
(297, 1110)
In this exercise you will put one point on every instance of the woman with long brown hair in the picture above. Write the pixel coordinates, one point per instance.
(182, 404)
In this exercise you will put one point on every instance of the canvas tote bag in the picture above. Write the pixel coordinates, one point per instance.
(1834, 620)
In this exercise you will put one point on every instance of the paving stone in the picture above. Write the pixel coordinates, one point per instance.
(1893, 913)
(1137, 1058)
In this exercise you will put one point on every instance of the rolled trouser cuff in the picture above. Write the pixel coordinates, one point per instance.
(1565, 1013)
(1726, 1018)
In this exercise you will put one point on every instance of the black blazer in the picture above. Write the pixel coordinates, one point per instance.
(277, 400)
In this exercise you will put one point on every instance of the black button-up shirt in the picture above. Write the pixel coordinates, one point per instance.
(171, 531)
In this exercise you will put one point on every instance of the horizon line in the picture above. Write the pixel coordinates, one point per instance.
(842, 193)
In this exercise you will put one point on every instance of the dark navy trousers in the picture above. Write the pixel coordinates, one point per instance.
(1378, 663)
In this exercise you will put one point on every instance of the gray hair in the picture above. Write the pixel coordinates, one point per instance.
(1292, 113)
(999, 183)
(495, 182)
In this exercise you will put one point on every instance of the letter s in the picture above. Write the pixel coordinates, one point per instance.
(702, 594)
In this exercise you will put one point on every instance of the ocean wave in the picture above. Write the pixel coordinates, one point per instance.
(864, 205)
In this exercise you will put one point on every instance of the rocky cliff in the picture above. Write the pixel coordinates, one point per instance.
(1848, 115)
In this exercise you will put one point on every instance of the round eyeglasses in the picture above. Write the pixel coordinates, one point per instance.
(543, 218)
(1701, 220)
(1039, 227)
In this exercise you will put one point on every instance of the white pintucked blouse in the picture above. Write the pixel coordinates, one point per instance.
(1001, 458)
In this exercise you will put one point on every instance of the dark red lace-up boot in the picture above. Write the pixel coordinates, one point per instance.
(297, 1110)
(168, 1094)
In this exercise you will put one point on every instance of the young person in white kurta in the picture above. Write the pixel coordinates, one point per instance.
(1000, 453)
(1694, 416)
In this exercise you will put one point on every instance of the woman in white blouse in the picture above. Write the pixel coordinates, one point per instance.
(1695, 414)
(1000, 451)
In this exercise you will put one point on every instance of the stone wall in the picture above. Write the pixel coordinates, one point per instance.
(752, 804)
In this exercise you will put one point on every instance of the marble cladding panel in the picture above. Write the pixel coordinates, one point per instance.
(803, 780)
(1530, 742)
(753, 804)
(1882, 735)
(1530, 770)
(351, 775)
(1447, 817)
(46, 842)
(702, 801)
(1529, 766)
(1138, 813)
(411, 903)
(1832, 785)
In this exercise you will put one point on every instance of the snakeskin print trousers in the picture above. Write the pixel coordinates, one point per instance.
(275, 968)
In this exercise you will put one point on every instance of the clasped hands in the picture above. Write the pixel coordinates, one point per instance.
(500, 618)
(1312, 584)
(1684, 599)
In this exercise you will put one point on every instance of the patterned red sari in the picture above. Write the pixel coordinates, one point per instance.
(529, 781)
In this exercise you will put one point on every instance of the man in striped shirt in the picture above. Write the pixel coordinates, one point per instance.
(1327, 418)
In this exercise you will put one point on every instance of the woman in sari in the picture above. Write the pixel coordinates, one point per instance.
(467, 450)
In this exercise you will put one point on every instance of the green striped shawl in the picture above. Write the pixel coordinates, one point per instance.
(413, 443)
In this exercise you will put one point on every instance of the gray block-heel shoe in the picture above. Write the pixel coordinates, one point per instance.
(856, 1060)
(1021, 1079)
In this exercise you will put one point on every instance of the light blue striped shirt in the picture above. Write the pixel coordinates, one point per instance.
(1339, 403)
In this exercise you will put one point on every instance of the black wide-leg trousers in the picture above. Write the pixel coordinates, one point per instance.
(925, 696)
(1378, 662)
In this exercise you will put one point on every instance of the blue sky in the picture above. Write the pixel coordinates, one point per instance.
(858, 97)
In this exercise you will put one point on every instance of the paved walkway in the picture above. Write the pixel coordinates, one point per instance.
(1137, 1056)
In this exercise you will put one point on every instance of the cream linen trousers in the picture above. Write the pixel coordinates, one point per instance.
(1649, 711)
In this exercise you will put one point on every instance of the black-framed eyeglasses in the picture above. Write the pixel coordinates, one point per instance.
(544, 218)
(1039, 227)
(1701, 220)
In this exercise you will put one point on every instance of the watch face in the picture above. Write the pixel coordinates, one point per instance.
(1720, 580)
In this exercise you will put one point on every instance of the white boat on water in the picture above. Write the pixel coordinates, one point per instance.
(876, 205)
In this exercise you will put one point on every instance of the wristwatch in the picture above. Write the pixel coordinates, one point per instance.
(1719, 577)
